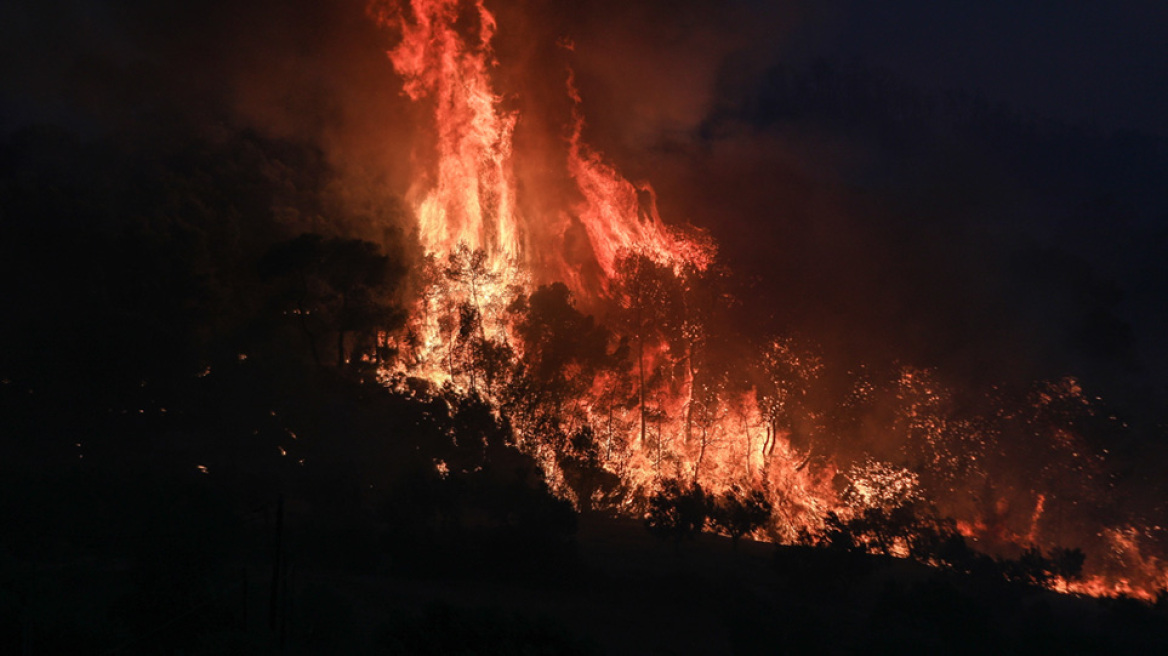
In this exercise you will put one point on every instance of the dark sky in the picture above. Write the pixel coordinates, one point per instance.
(1105, 62)
(1080, 61)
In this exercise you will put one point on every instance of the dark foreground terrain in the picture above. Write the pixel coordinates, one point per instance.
(94, 565)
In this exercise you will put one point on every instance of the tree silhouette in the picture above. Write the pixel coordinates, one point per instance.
(584, 472)
(361, 278)
(787, 375)
(652, 313)
(563, 351)
(740, 513)
(339, 285)
(677, 511)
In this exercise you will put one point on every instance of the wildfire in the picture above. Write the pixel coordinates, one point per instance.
(613, 414)
(469, 195)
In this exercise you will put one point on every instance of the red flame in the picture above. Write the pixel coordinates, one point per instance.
(469, 195)
(682, 424)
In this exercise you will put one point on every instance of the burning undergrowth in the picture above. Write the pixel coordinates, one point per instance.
(610, 341)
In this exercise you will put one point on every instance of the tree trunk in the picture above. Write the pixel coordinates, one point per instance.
(641, 390)
(766, 442)
(701, 455)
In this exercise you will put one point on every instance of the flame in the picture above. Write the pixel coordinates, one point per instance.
(469, 195)
(621, 217)
(667, 418)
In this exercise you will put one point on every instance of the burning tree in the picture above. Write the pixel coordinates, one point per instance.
(650, 312)
(659, 400)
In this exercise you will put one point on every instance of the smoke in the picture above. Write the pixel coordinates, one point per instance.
(888, 216)
(881, 222)
(878, 237)
(152, 73)
(885, 222)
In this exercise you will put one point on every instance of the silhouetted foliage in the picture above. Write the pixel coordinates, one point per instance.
(875, 530)
(584, 472)
(337, 285)
(740, 513)
(472, 501)
(677, 511)
(1067, 563)
(563, 349)
(1035, 568)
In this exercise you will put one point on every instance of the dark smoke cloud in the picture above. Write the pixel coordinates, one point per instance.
(301, 70)
(906, 186)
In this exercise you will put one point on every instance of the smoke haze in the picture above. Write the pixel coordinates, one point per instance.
(852, 169)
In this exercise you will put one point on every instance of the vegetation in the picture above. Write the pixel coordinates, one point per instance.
(677, 511)
(197, 454)
(738, 513)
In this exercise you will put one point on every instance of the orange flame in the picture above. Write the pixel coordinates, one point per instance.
(619, 216)
(466, 201)
(469, 196)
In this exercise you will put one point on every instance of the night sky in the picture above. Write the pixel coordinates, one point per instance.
(1103, 65)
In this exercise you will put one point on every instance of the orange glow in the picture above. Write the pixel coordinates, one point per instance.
(667, 416)
(469, 196)
(621, 217)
